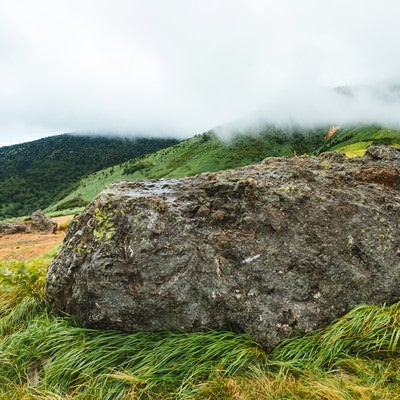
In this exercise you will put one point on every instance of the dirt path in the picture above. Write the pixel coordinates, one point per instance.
(21, 246)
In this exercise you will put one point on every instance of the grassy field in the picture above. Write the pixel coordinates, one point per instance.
(354, 141)
(43, 356)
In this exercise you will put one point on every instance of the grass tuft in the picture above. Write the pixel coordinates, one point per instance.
(366, 331)
(66, 357)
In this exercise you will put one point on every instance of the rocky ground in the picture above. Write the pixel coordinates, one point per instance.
(21, 246)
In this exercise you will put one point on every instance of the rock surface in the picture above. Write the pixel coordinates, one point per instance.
(37, 222)
(274, 249)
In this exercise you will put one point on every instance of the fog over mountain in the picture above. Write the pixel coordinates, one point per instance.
(182, 67)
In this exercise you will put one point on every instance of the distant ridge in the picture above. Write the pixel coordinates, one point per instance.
(206, 152)
(63, 173)
(35, 174)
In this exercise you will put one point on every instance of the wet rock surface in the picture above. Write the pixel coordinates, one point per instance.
(274, 249)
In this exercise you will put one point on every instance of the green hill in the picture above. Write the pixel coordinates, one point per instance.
(35, 174)
(353, 141)
(207, 152)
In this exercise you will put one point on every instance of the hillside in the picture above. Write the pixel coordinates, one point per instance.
(207, 152)
(35, 174)
(353, 141)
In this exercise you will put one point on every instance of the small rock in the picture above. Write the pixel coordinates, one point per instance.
(37, 222)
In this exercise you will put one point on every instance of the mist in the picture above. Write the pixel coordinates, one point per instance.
(179, 68)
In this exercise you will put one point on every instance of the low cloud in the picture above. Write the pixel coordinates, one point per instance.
(182, 67)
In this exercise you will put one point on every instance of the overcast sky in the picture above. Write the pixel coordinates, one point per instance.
(181, 67)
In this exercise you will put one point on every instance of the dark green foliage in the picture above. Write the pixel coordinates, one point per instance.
(35, 174)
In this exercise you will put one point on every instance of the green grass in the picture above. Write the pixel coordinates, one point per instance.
(353, 141)
(358, 149)
(43, 356)
(355, 149)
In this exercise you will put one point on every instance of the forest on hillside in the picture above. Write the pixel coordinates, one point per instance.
(34, 174)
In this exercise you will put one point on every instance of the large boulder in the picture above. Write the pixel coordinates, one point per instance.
(274, 249)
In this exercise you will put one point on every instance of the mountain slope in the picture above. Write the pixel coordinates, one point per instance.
(198, 154)
(353, 141)
(207, 152)
(33, 174)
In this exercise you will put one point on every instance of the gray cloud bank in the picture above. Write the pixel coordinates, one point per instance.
(180, 67)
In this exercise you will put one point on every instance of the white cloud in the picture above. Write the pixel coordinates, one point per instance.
(182, 67)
